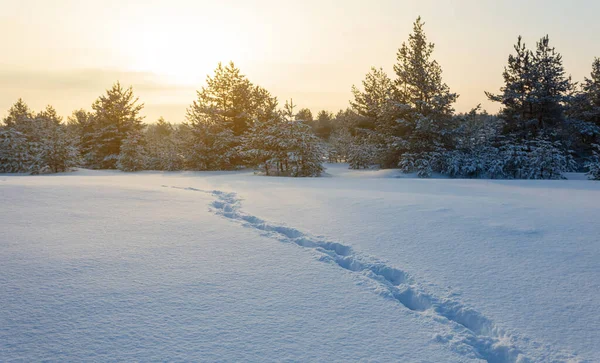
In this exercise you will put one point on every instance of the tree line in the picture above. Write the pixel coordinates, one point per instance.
(547, 125)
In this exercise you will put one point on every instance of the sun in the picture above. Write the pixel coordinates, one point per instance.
(177, 54)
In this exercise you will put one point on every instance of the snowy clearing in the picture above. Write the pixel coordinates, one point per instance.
(360, 265)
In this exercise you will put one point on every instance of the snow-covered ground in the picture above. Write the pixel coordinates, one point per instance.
(360, 265)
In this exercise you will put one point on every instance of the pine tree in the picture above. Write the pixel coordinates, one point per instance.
(82, 127)
(373, 100)
(214, 148)
(362, 153)
(116, 114)
(225, 109)
(58, 151)
(586, 105)
(552, 86)
(423, 103)
(591, 88)
(284, 146)
(340, 143)
(304, 115)
(36, 143)
(14, 151)
(18, 114)
(536, 90)
(593, 166)
(163, 147)
(132, 155)
(419, 78)
(229, 100)
(519, 80)
(323, 125)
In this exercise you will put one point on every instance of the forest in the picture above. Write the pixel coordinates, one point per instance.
(547, 125)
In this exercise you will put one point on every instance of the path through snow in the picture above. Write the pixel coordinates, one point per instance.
(467, 330)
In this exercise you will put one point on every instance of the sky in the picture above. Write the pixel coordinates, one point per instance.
(68, 52)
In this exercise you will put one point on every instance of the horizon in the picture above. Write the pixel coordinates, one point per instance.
(147, 45)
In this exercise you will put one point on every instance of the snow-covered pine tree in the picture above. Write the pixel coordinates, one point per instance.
(535, 90)
(539, 158)
(52, 148)
(59, 150)
(377, 117)
(225, 109)
(214, 148)
(534, 104)
(116, 115)
(340, 143)
(593, 166)
(423, 102)
(362, 153)
(552, 86)
(14, 151)
(132, 154)
(81, 125)
(162, 147)
(284, 146)
(18, 114)
(515, 96)
(547, 160)
(260, 146)
(302, 149)
(37, 144)
(591, 87)
(372, 101)
(476, 141)
(22, 119)
(227, 100)
(582, 129)
(588, 109)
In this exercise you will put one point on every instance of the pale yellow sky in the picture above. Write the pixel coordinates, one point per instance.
(67, 52)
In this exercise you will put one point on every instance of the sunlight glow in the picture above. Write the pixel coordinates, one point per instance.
(178, 54)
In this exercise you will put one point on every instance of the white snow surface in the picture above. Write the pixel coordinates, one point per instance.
(357, 266)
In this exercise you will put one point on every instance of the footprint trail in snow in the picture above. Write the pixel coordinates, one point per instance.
(463, 329)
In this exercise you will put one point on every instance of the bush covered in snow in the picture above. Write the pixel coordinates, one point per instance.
(594, 165)
(284, 146)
